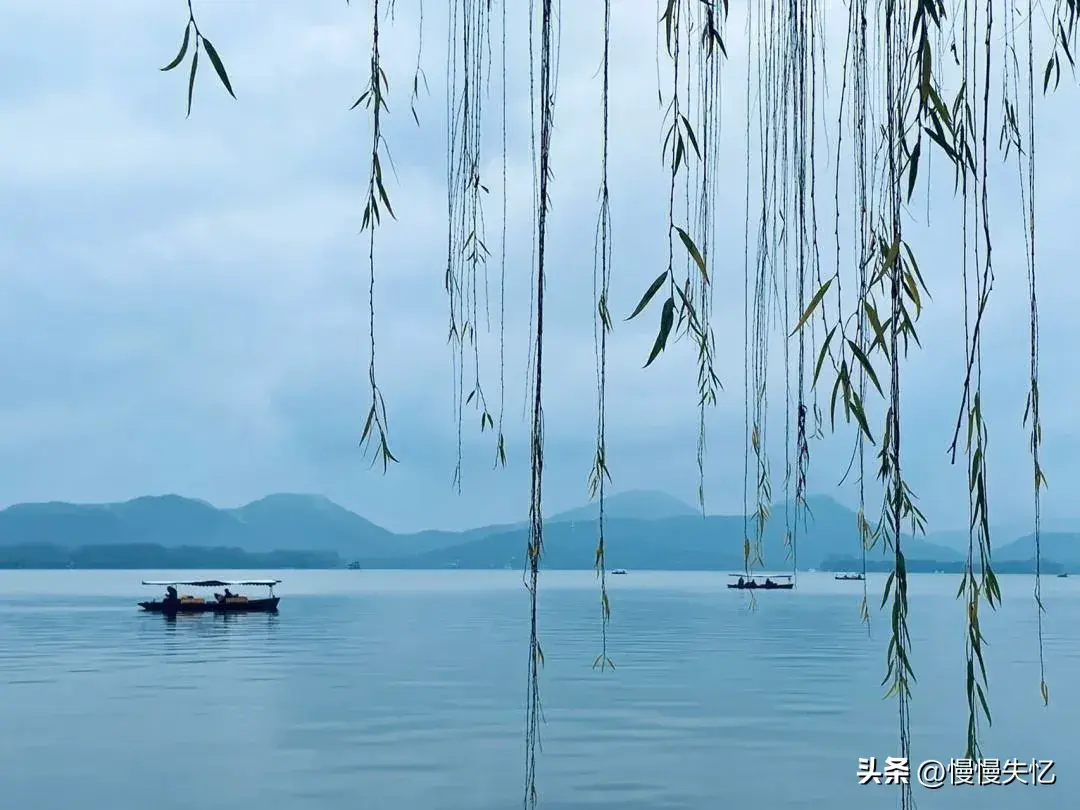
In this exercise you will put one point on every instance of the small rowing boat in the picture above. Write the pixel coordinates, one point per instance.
(745, 583)
(227, 602)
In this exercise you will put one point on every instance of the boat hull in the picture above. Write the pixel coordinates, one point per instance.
(269, 605)
(786, 586)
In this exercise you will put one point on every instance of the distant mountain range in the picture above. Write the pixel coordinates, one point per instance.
(643, 530)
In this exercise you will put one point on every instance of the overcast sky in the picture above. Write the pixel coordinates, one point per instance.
(184, 301)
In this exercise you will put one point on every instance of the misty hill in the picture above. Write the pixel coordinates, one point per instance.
(272, 523)
(674, 543)
(151, 556)
(633, 504)
(644, 530)
(305, 521)
(1061, 546)
(167, 519)
(1003, 533)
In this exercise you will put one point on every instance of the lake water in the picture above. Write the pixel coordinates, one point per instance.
(405, 691)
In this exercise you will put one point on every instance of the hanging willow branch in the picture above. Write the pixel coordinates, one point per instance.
(466, 279)
(899, 113)
(686, 153)
(535, 549)
(1031, 412)
(500, 443)
(599, 475)
(374, 438)
(200, 42)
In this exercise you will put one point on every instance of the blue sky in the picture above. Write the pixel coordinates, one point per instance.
(185, 300)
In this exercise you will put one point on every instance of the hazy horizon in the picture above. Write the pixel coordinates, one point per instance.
(1053, 524)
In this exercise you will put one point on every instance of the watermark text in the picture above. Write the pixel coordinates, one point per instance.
(934, 774)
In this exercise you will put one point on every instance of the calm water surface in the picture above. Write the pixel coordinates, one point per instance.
(406, 690)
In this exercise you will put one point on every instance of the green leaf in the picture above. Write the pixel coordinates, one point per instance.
(822, 353)
(865, 363)
(927, 71)
(191, 78)
(891, 256)
(875, 324)
(939, 138)
(856, 408)
(913, 172)
(814, 302)
(367, 425)
(690, 134)
(654, 288)
(699, 260)
(667, 318)
(982, 702)
(219, 68)
(1063, 37)
(183, 50)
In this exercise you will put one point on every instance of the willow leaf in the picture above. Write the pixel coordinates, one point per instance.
(183, 50)
(219, 68)
(813, 305)
(654, 288)
(695, 254)
(667, 318)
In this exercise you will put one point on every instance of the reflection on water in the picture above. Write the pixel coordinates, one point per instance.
(406, 690)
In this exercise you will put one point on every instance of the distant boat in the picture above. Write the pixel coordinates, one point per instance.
(353, 566)
(619, 572)
(745, 583)
(229, 602)
(1062, 575)
(850, 577)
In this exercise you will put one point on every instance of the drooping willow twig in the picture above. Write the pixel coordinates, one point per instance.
(856, 64)
(466, 279)
(1031, 413)
(974, 188)
(711, 52)
(685, 152)
(192, 27)
(899, 82)
(374, 438)
(599, 475)
(500, 442)
(548, 69)
(1022, 144)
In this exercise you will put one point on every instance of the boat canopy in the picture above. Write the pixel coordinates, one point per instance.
(215, 583)
(757, 575)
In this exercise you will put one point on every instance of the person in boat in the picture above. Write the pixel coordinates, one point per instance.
(769, 583)
(742, 582)
(170, 594)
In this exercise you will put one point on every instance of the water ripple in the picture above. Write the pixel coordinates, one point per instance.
(406, 690)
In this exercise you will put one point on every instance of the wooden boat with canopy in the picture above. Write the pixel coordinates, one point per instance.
(761, 582)
(226, 602)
